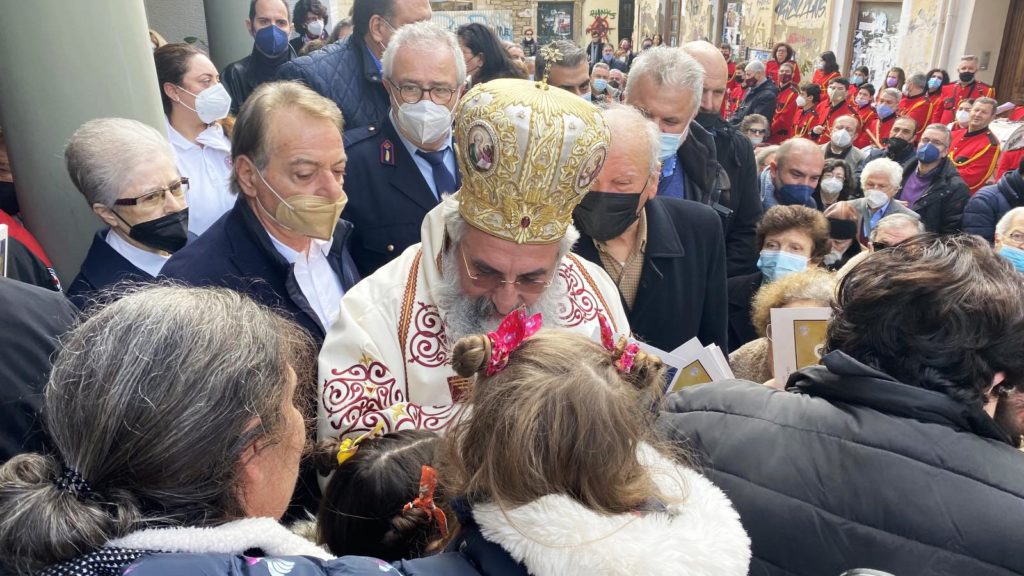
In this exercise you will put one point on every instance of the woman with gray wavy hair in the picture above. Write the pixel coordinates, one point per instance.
(126, 171)
(174, 428)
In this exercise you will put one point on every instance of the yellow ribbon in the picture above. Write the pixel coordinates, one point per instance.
(348, 446)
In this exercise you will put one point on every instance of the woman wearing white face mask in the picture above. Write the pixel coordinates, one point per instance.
(196, 105)
(835, 185)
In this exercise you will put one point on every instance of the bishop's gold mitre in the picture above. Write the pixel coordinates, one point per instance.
(527, 153)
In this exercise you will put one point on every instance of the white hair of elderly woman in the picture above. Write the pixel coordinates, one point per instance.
(1003, 226)
(889, 168)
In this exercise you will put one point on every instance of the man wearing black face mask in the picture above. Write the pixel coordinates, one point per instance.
(966, 88)
(269, 26)
(899, 145)
(667, 256)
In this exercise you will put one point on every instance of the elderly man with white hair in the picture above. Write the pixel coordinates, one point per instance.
(880, 180)
(1010, 237)
(528, 153)
(666, 255)
(667, 85)
(399, 169)
(762, 94)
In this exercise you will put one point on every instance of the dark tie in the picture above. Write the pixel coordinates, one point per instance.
(444, 182)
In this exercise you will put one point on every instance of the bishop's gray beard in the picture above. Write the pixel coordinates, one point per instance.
(464, 316)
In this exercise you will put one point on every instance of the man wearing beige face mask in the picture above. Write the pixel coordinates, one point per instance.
(283, 242)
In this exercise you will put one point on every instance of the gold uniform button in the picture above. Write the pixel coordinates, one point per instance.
(391, 247)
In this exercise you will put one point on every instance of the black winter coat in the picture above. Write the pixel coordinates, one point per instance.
(742, 290)
(707, 182)
(849, 468)
(941, 206)
(682, 285)
(32, 319)
(735, 155)
(346, 73)
(759, 100)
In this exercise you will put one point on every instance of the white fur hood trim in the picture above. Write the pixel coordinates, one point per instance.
(555, 535)
(235, 537)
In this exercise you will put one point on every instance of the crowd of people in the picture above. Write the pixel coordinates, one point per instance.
(387, 298)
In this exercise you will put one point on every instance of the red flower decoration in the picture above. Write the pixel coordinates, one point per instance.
(425, 500)
(624, 363)
(511, 333)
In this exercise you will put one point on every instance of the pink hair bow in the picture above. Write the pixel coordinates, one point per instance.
(624, 363)
(513, 330)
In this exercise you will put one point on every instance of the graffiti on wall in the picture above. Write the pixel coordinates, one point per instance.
(918, 42)
(875, 39)
(804, 25)
(554, 21)
(498, 20)
(757, 24)
(601, 22)
(696, 20)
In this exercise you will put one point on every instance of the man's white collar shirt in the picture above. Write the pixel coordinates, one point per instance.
(148, 262)
(425, 168)
(316, 279)
(207, 165)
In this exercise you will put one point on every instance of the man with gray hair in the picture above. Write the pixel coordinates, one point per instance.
(283, 243)
(762, 94)
(889, 232)
(398, 170)
(666, 85)
(668, 254)
(916, 103)
(564, 65)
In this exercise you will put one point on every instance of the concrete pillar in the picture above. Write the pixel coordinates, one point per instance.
(96, 61)
(225, 27)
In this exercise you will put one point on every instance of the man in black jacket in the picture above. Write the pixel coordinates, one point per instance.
(761, 96)
(349, 71)
(687, 151)
(667, 256)
(899, 452)
(269, 26)
(32, 319)
(733, 152)
(932, 186)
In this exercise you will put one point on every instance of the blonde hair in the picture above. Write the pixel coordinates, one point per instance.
(813, 284)
(560, 418)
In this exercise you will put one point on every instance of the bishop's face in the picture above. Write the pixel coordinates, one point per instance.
(509, 275)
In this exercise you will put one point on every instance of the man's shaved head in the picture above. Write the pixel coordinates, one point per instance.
(716, 73)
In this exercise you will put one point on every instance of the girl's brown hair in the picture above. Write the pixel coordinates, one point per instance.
(558, 419)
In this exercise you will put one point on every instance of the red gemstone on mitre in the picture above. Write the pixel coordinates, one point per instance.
(525, 222)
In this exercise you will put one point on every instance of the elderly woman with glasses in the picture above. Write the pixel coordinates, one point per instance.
(126, 171)
(755, 128)
(176, 436)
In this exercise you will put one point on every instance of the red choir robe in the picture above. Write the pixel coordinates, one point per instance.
(975, 155)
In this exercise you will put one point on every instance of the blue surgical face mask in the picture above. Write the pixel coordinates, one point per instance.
(1014, 255)
(608, 57)
(794, 194)
(588, 97)
(271, 41)
(856, 80)
(775, 264)
(669, 143)
(928, 153)
(600, 84)
(934, 84)
(884, 110)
